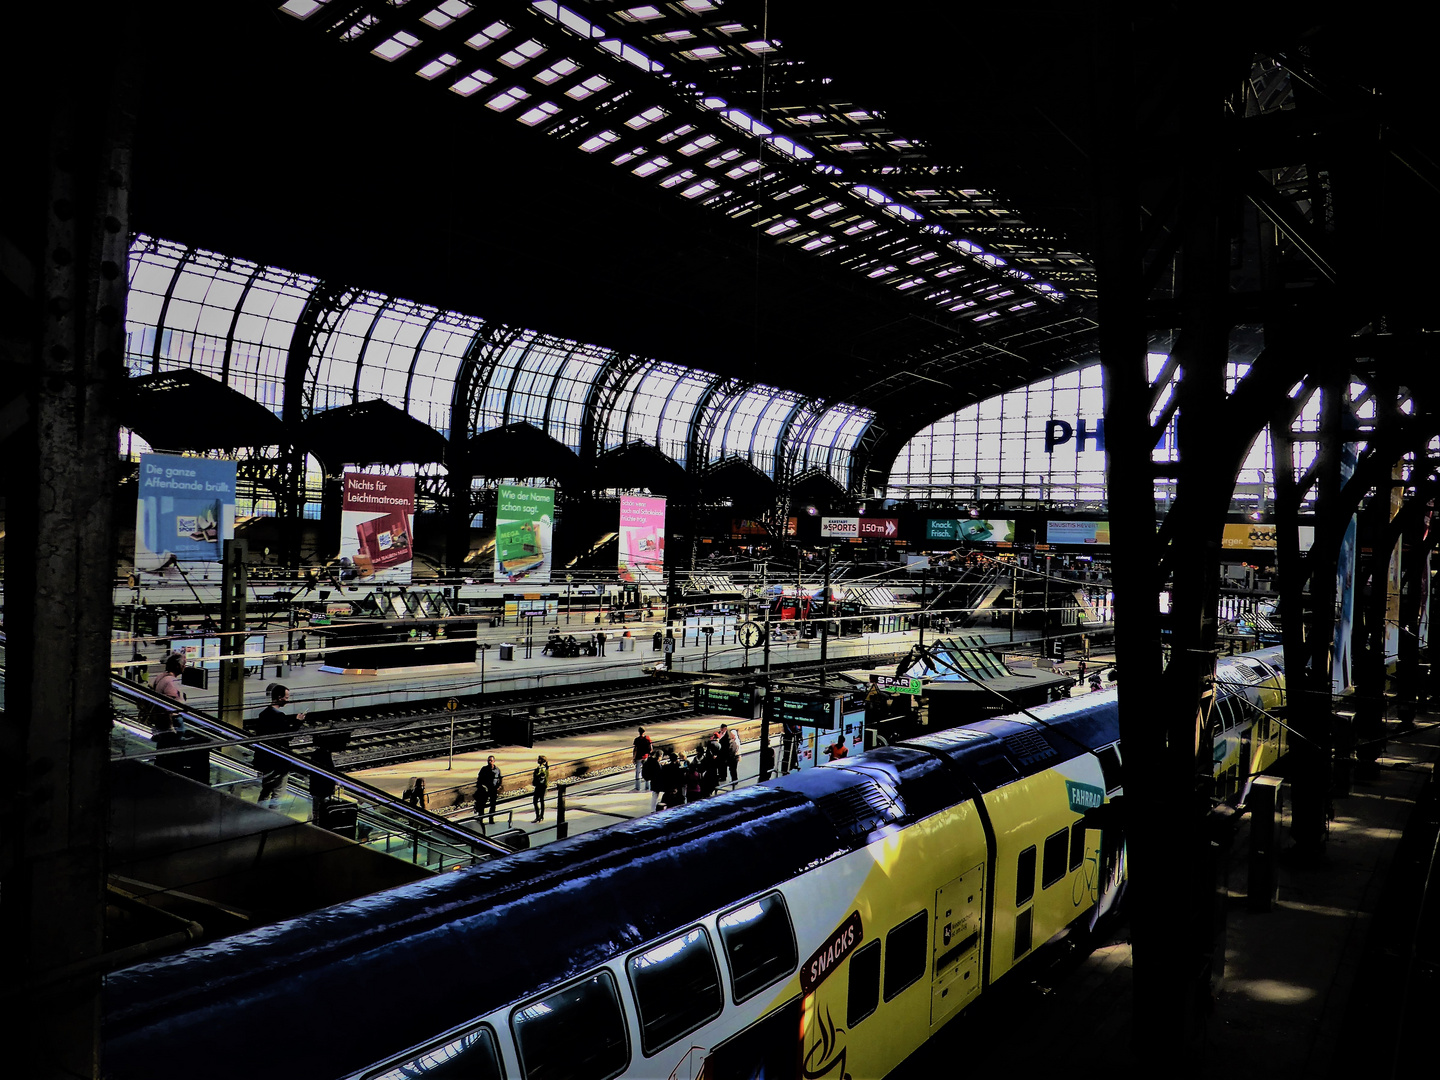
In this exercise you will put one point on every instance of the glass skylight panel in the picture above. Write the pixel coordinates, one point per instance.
(522, 53)
(504, 100)
(544, 111)
(557, 71)
(924, 256)
(759, 48)
(782, 227)
(698, 6)
(446, 13)
(818, 242)
(598, 140)
(679, 178)
(631, 55)
(628, 156)
(700, 188)
(859, 227)
(826, 210)
(644, 13)
(301, 9)
(678, 133)
(704, 52)
(986, 315)
(491, 34)
(472, 82)
(790, 148)
(675, 35)
(654, 165)
(704, 142)
(902, 286)
(397, 46)
(745, 122)
(581, 90)
(882, 271)
(743, 169)
(721, 159)
(646, 118)
(441, 64)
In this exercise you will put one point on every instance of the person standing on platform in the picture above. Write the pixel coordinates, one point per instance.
(640, 752)
(730, 753)
(274, 771)
(487, 788)
(652, 773)
(837, 750)
(789, 748)
(540, 779)
(600, 642)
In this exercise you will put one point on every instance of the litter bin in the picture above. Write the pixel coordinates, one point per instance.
(507, 650)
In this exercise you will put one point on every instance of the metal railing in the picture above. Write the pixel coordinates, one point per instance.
(381, 821)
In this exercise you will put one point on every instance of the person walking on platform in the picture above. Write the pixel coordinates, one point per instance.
(273, 770)
(640, 754)
(487, 788)
(789, 748)
(730, 753)
(600, 642)
(540, 779)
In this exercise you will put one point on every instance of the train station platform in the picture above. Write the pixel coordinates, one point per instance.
(313, 686)
(1340, 978)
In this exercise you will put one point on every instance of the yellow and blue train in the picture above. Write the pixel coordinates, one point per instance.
(824, 924)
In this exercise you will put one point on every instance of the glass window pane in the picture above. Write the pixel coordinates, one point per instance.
(677, 988)
(575, 1033)
(906, 954)
(471, 1056)
(864, 983)
(759, 944)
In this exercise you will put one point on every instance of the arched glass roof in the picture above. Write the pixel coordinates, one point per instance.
(997, 449)
(243, 324)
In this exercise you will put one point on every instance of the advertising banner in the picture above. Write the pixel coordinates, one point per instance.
(879, 528)
(185, 510)
(942, 529)
(377, 526)
(642, 539)
(840, 526)
(524, 519)
(1077, 532)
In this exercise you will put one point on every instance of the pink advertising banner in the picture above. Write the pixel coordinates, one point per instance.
(642, 539)
(377, 526)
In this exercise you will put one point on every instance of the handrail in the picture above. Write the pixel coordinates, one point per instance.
(222, 736)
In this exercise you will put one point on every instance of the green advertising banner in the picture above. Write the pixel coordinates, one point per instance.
(942, 529)
(524, 521)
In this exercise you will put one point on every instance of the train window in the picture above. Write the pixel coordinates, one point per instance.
(1025, 876)
(759, 944)
(1023, 923)
(574, 1033)
(1077, 845)
(906, 953)
(677, 988)
(864, 983)
(1052, 867)
(1110, 767)
(471, 1056)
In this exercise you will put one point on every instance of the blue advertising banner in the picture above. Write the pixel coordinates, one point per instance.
(185, 510)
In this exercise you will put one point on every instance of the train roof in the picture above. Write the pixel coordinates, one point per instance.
(539, 917)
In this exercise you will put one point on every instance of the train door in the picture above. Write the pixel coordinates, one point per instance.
(959, 907)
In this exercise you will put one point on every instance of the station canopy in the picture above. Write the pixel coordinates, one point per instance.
(743, 214)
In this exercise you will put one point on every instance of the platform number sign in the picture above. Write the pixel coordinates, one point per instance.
(1055, 650)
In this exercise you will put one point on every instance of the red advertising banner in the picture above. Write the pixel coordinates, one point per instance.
(880, 528)
(377, 526)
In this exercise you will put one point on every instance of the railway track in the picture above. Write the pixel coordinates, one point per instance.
(412, 731)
